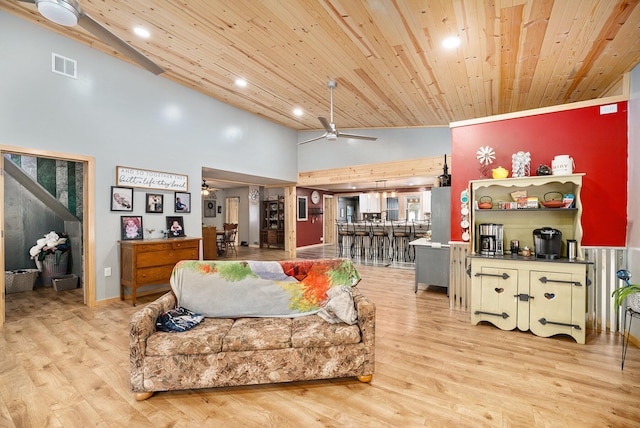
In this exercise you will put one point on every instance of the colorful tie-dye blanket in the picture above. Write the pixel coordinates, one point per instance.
(234, 289)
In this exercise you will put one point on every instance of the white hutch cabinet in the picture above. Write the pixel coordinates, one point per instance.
(547, 297)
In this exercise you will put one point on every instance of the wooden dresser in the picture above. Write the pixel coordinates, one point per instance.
(151, 261)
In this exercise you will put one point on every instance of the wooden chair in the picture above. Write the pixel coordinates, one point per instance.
(229, 238)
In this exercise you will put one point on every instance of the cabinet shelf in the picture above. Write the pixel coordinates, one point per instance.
(519, 226)
(494, 210)
(272, 227)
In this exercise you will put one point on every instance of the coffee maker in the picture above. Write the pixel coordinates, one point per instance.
(547, 242)
(490, 242)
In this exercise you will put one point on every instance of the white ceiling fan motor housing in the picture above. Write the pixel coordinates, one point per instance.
(62, 12)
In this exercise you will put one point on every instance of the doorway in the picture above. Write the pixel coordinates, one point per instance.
(88, 229)
(232, 212)
(329, 213)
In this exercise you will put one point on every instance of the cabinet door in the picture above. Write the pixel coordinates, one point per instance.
(493, 296)
(551, 305)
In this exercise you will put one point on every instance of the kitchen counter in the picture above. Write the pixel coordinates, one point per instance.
(428, 243)
(509, 257)
(432, 263)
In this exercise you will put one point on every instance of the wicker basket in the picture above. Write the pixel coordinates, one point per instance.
(65, 282)
(16, 281)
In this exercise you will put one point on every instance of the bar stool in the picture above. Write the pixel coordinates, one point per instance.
(361, 238)
(379, 241)
(418, 230)
(401, 233)
(344, 234)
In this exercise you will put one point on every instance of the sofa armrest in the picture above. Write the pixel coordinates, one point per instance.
(366, 317)
(141, 326)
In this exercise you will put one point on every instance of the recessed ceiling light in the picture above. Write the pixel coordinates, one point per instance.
(451, 42)
(141, 32)
(298, 112)
(241, 82)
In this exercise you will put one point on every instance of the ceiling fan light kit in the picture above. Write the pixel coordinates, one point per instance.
(64, 13)
(68, 13)
(331, 133)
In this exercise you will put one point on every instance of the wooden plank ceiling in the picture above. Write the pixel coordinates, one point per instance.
(386, 55)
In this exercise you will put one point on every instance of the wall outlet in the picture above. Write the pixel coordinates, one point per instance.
(107, 271)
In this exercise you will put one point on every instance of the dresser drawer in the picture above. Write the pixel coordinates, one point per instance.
(160, 258)
(154, 275)
(143, 248)
(185, 244)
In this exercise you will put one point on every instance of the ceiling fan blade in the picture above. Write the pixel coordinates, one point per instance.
(95, 28)
(356, 137)
(325, 123)
(313, 139)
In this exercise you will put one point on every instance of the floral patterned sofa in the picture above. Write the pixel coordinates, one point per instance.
(266, 343)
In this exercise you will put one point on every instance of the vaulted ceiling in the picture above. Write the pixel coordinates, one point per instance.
(386, 55)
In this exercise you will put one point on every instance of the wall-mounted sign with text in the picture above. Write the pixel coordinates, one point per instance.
(134, 177)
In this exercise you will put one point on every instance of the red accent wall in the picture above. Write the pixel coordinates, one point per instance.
(309, 232)
(597, 143)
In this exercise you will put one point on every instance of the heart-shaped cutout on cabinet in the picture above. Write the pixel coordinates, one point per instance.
(549, 296)
(499, 290)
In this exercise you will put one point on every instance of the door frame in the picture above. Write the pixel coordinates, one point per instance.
(329, 212)
(88, 221)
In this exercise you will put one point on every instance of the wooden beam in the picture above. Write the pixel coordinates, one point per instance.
(419, 167)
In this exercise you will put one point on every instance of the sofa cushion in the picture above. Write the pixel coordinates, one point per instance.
(313, 331)
(252, 334)
(205, 338)
(237, 289)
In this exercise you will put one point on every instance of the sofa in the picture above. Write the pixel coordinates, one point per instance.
(264, 322)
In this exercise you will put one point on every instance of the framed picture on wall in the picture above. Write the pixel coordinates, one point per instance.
(121, 198)
(183, 202)
(303, 214)
(154, 203)
(131, 228)
(175, 227)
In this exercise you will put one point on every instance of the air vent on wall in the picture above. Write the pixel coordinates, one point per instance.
(64, 66)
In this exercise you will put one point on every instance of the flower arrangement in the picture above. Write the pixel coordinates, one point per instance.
(50, 244)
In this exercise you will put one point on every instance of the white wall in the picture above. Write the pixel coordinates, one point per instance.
(123, 115)
(392, 145)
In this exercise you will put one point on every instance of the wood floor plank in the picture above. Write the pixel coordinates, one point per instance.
(63, 364)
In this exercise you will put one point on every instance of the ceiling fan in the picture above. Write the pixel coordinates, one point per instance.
(332, 133)
(69, 14)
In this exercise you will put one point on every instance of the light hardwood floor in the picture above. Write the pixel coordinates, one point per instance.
(64, 365)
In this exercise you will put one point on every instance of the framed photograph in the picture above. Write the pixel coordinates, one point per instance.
(154, 203)
(183, 202)
(131, 228)
(121, 198)
(175, 227)
(209, 207)
(303, 215)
